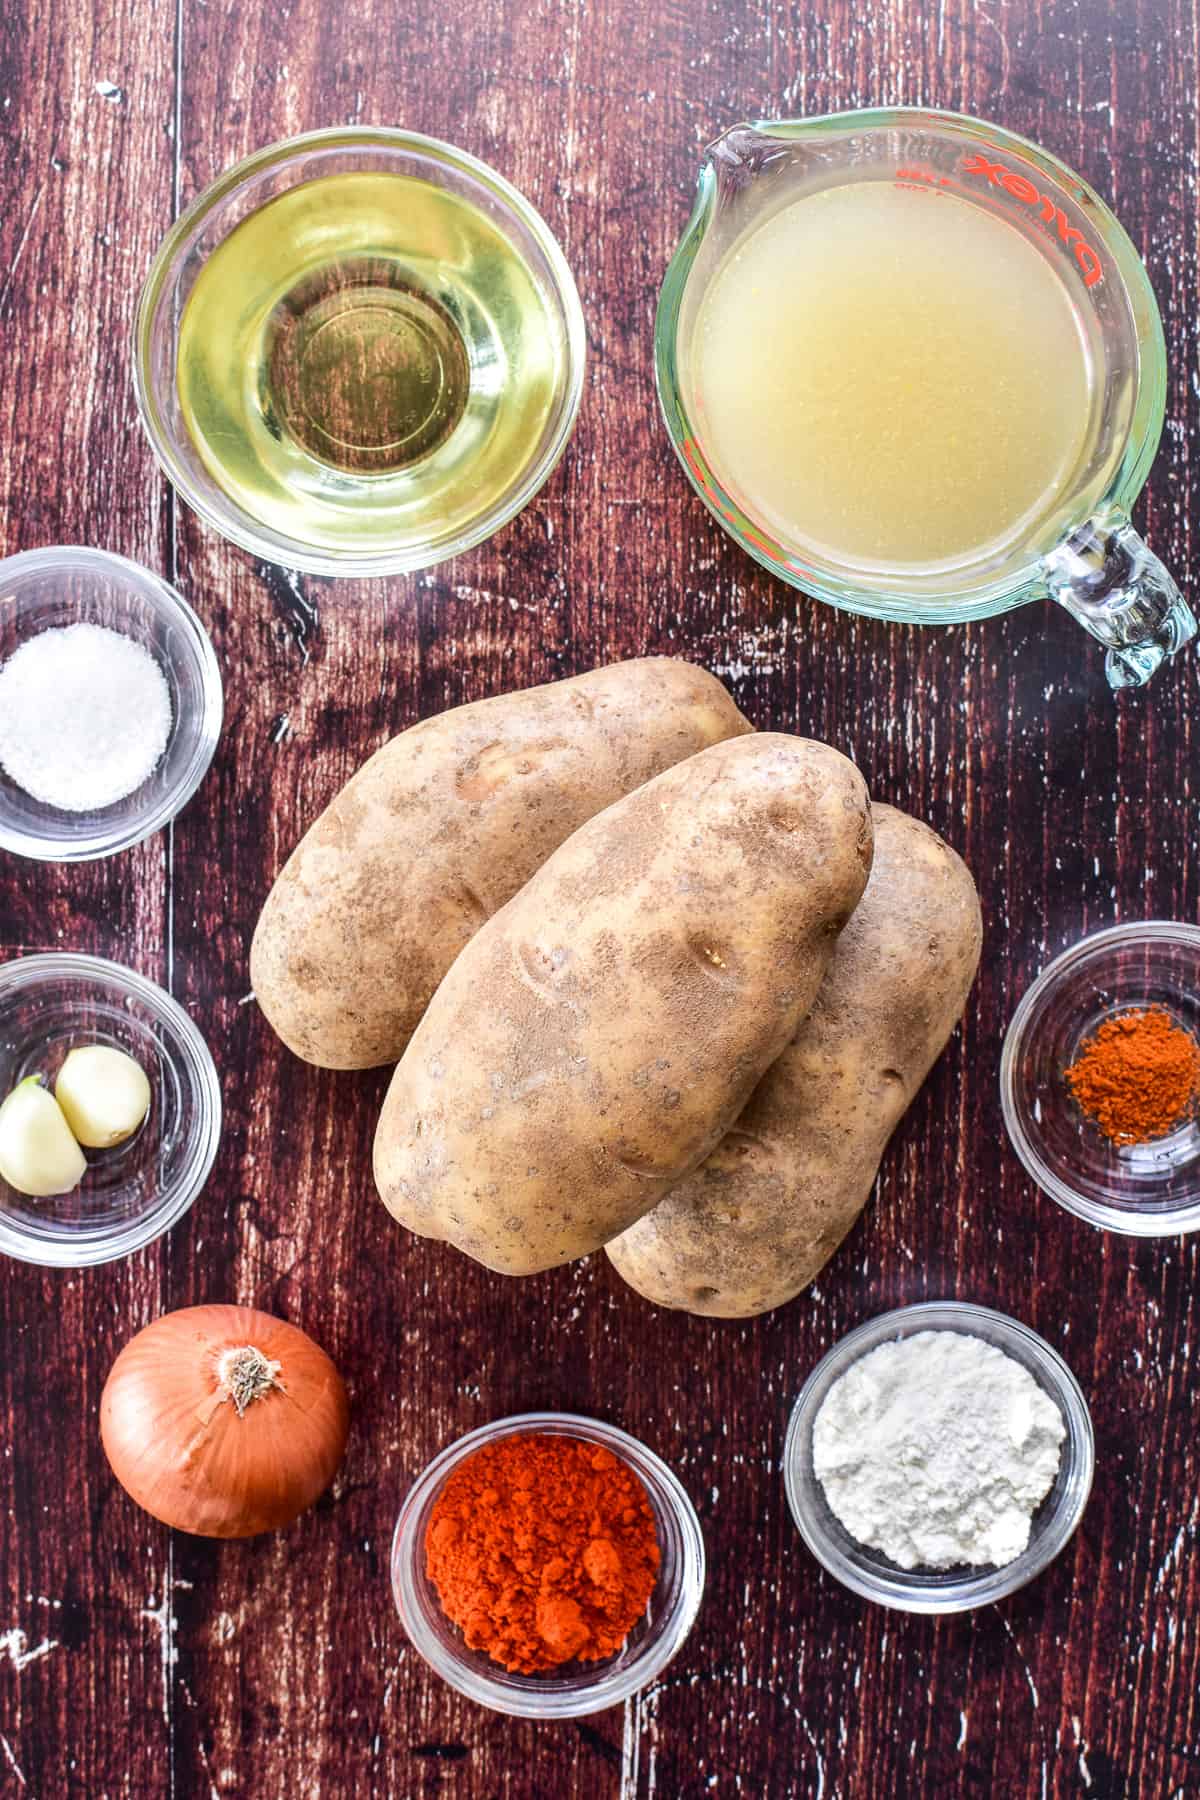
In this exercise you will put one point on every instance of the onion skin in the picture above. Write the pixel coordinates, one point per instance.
(175, 1439)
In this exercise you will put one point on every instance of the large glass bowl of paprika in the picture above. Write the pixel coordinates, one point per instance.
(1098, 1079)
(577, 1687)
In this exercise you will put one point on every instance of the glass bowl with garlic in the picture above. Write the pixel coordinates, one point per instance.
(110, 1110)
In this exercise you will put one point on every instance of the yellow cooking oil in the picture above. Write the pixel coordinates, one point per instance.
(367, 360)
(892, 379)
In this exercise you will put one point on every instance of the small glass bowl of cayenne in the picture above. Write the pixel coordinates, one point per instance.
(1146, 1189)
(579, 1688)
(869, 1572)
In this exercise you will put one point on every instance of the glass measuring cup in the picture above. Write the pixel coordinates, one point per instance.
(1081, 550)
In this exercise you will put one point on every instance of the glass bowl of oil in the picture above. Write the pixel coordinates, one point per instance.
(359, 352)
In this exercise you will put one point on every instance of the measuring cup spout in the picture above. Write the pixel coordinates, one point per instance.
(739, 155)
(1117, 588)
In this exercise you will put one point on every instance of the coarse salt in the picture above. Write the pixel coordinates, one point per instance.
(85, 714)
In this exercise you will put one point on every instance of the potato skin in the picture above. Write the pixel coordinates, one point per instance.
(600, 1033)
(760, 1219)
(441, 827)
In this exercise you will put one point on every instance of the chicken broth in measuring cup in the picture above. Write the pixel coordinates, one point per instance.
(914, 366)
(915, 387)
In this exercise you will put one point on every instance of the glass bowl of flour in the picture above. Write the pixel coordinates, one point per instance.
(110, 704)
(939, 1457)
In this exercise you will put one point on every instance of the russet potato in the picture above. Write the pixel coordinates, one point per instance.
(760, 1218)
(600, 1033)
(440, 828)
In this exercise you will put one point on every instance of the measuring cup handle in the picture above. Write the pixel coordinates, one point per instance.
(1107, 579)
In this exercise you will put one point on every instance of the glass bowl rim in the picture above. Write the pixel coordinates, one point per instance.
(130, 828)
(203, 1084)
(289, 553)
(591, 1694)
(849, 593)
(1128, 1221)
(899, 1591)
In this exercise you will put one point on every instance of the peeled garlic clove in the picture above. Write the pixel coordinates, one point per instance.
(104, 1095)
(38, 1154)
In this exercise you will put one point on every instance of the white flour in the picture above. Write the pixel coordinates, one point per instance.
(938, 1449)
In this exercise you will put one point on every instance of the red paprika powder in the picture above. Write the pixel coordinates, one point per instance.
(1137, 1076)
(543, 1550)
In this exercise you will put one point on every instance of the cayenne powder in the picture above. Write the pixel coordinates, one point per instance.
(543, 1550)
(1137, 1076)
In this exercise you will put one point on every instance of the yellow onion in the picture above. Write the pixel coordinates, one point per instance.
(223, 1421)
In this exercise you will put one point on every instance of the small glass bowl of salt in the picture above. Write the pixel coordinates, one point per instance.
(110, 704)
(892, 1441)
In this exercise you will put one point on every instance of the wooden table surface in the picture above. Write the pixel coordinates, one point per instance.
(138, 1663)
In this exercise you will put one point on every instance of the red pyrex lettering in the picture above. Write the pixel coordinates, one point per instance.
(1021, 188)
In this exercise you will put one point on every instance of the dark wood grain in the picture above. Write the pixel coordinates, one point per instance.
(134, 1663)
(87, 178)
